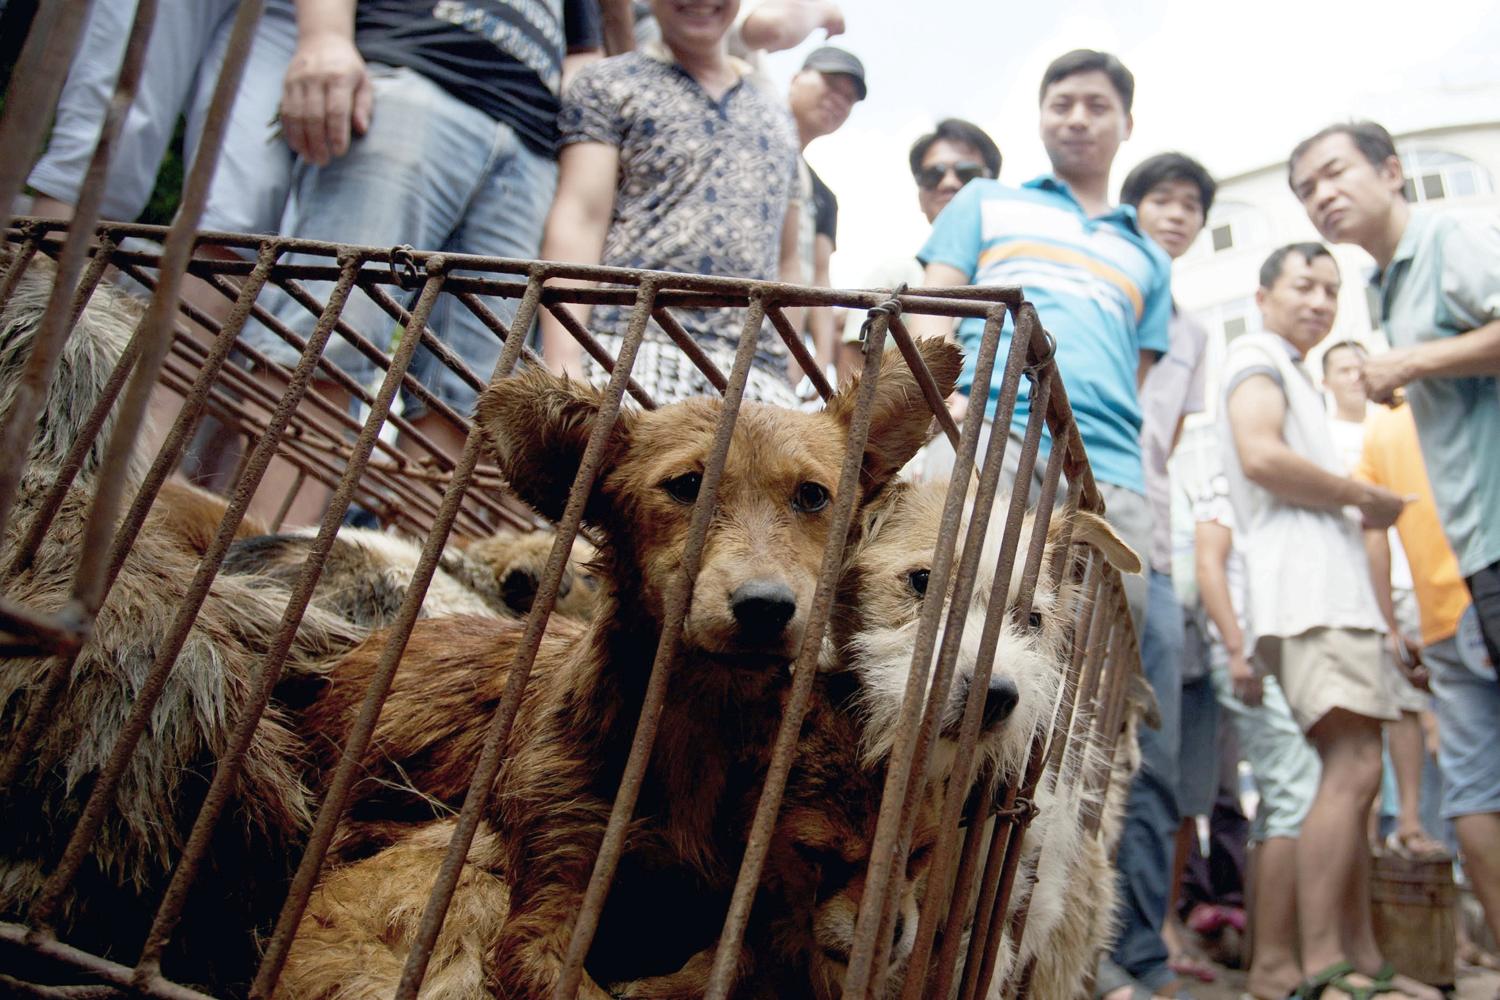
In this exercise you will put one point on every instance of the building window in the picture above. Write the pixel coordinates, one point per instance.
(1432, 175)
(1231, 226)
(1230, 319)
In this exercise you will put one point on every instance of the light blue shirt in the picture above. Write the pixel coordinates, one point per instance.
(1444, 281)
(1101, 287)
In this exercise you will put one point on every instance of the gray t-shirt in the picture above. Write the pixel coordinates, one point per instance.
(1173, 388)
(1443, 282)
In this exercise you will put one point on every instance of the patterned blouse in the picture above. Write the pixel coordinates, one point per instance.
(704, 185)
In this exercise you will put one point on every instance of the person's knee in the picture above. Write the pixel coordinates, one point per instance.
(1350, 748)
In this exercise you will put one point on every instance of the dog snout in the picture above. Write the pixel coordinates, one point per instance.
(762, 608)
(999, 701)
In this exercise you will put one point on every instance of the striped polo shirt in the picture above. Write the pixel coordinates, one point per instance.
(1101, 287)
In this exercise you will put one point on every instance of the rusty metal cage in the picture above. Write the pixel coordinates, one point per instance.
(971, 904)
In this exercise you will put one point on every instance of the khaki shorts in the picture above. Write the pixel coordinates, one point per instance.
(1408, 698)
(1327, 668)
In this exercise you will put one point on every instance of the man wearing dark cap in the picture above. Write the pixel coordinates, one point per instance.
(821, 96)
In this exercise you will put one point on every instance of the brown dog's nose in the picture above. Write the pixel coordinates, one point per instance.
(763, 607)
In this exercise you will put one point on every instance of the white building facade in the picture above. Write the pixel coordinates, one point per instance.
(1450, 167)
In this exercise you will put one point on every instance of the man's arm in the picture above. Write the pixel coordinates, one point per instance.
(326, 96)
(776, 25)
(1257, 409)
(619, 26)
(820, 319)
(1212, 544)
(936, 275)
(1476, 352)
(577, 60)
(1378, 549)
(576, 228)
(790, 269)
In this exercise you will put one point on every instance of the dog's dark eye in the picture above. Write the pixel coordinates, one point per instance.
(1035, 620)
(810, 498)
(684, 488)
(918, 580)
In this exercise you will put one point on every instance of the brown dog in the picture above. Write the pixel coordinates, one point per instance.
(745, 622)
(352, 940)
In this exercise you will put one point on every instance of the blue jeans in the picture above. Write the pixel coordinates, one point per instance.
(1467, 702)
(1151, 816)
(437, 174)
(183, 59)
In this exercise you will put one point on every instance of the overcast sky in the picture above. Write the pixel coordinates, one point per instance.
(1235, 85)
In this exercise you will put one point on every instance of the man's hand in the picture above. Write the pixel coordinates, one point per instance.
(1408, 655)
(1379, 507)
(1385, 373)
(1244, 681)
(833, 19)
(325, 98)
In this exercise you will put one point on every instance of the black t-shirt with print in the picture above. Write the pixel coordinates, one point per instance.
(825, 209)
(503, 57)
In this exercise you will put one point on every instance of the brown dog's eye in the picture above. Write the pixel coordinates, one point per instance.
(810, 498)
(1035, 620)
(918, 580)
(684, 488)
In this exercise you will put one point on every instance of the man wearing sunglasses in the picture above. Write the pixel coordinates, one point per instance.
(942, 162)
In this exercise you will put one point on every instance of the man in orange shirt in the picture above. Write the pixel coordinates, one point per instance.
(1466, 699)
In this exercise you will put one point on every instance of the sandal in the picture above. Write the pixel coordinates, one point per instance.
(1337, 976)
(1417, 846)
(1385, 977)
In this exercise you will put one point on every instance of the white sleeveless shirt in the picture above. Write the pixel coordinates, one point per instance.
(1306, 566)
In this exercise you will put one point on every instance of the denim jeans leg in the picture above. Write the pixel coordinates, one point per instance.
(1151, 817)
(504, 218)
(407, 180)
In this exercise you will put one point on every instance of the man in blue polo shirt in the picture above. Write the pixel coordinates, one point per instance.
(1102, 289)
(1100, 286)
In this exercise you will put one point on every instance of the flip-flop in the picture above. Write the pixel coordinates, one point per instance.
(1336, 976)
(1431, 850)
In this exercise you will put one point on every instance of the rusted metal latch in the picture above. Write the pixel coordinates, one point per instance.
(891, 307)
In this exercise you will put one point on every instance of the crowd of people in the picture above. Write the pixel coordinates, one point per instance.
(1347, 555)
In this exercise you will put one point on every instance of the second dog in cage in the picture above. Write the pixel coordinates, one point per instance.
(367, 573)
(745, 623)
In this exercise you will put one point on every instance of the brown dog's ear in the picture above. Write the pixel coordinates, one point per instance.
(899, 419)
(1091, 529)
(537, 426)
